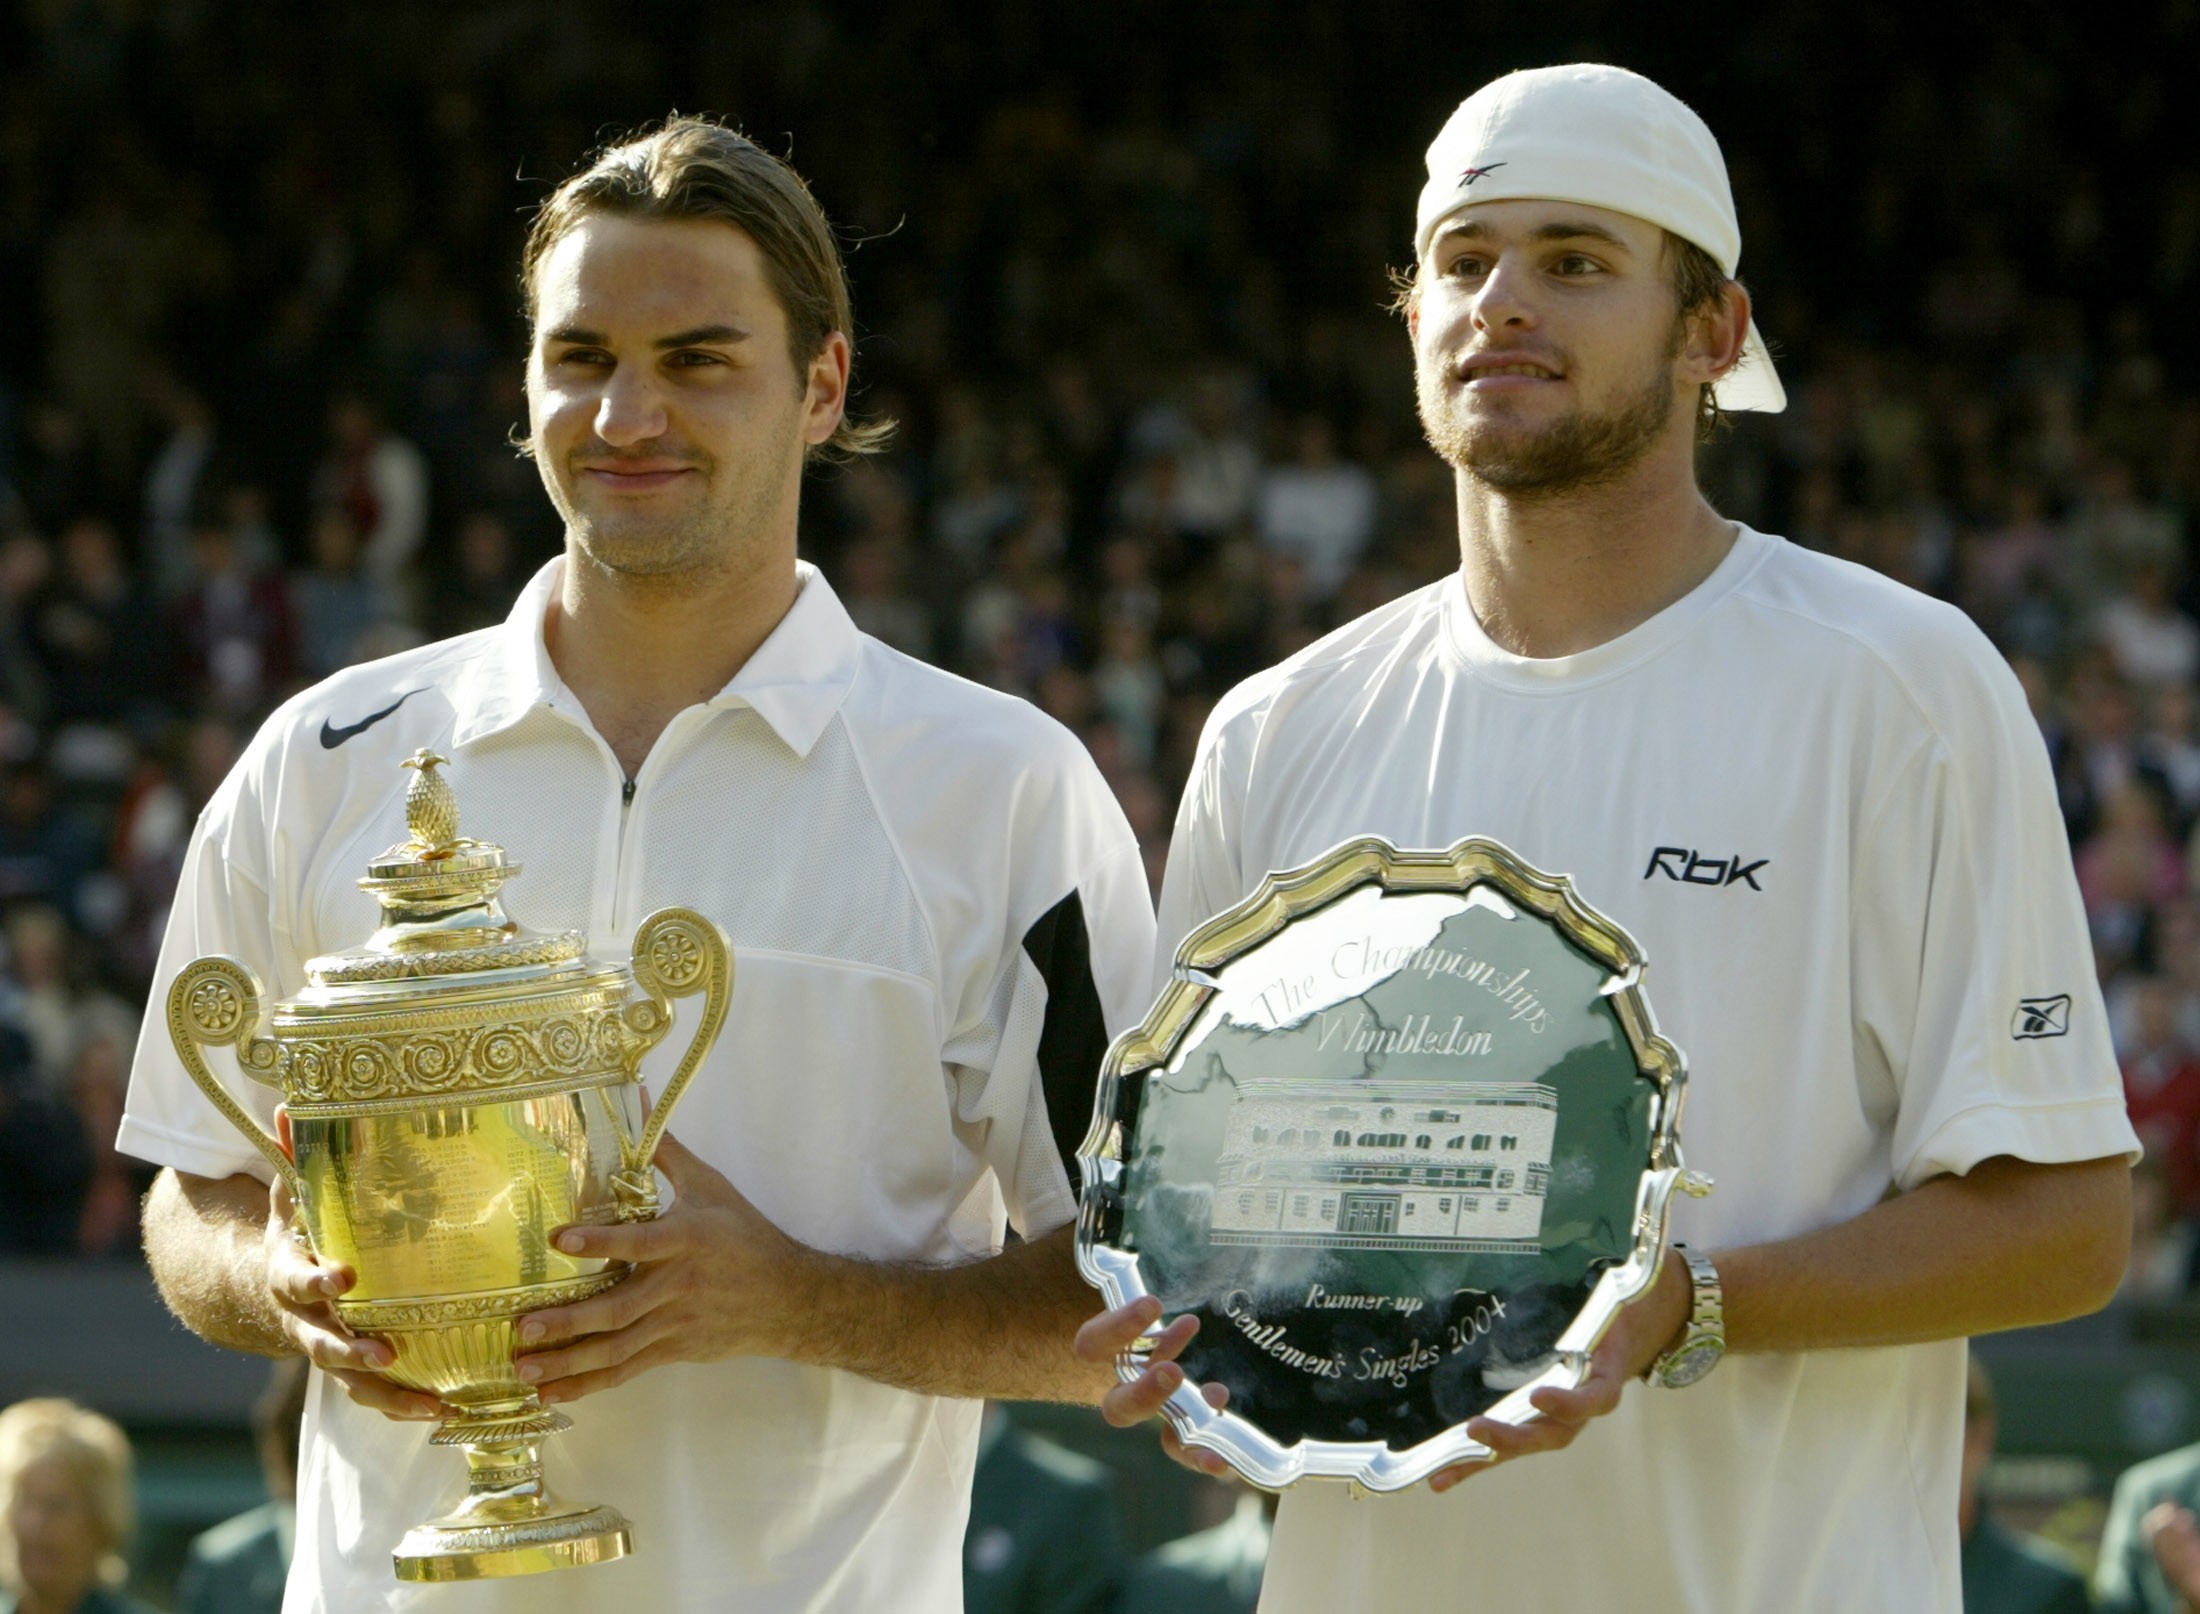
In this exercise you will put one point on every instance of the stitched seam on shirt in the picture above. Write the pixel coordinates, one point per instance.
(858, 965)
(856, 746)
(1924, 1147)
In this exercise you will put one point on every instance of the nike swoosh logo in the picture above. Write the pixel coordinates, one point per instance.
(332, 737)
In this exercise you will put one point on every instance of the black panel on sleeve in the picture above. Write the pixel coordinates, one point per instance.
(1074, 1037)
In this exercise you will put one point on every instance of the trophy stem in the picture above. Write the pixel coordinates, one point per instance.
(508, 1523)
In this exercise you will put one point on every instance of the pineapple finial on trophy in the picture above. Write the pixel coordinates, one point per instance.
(431, 807)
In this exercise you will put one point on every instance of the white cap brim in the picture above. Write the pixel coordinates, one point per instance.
(1752, 384)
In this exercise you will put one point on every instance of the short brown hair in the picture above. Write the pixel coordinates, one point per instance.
(1698, 284)
(698, 168)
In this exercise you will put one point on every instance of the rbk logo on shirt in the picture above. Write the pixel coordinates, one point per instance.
(1685, 864)
(2041, 1017)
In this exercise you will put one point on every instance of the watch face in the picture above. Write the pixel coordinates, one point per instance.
(1690, 1363)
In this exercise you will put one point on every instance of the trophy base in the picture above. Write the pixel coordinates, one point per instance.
(454, 1549)
(508, 1523)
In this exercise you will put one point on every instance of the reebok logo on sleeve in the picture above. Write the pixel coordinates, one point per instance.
(2041, 1017)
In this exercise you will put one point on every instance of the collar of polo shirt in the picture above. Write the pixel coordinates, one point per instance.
(796, 680)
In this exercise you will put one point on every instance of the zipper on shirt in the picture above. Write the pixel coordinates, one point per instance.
(626, 794)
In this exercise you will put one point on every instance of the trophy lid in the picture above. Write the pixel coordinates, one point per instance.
(441, 916)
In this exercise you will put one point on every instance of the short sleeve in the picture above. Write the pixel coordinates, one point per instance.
(1025, 1076)
(1203, 874)
(1973, 969)
(222, 906)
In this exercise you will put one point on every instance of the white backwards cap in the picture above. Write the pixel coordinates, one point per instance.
(1604, 137)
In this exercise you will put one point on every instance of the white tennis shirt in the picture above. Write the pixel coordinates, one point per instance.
(938, 914)
(1818, 802)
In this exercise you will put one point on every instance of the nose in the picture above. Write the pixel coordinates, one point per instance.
(630, 409)
(1504, 301)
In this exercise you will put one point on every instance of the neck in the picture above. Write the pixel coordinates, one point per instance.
(636, 651)
(1554, 574)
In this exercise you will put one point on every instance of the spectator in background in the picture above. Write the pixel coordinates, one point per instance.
(1127, 684)
(25, 563)
(234, 629)
(2150, 642)
(2163, 1246)
(238, 1567)
(1318, 509)
(175, 479)
(115, 1185)
(45, 854)
(2003, 1573)
(2168, 754)
(97, 632)
(37, 997)
(871, 586)
(1217, 467)
(66, 1510)
(2150, 1547)
(1041, 1537)
(380, 480)
(2162, 1090)
(44, 1163)
(482, 586)
(337, 602)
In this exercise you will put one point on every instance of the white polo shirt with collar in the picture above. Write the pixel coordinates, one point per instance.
(938, 915)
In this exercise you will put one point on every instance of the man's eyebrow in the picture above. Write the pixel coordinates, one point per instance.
(700, 336)
(1556, 230)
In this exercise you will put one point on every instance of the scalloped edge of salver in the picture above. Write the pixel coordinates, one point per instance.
(1279, 899)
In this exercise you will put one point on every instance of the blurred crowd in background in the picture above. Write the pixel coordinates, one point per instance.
(260, 365)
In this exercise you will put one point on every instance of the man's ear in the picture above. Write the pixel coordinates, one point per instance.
(827, 389)
(1713, 342)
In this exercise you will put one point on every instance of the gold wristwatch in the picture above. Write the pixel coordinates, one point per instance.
(1703, 1341)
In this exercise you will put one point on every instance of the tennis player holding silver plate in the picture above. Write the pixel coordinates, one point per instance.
(1402, 1132)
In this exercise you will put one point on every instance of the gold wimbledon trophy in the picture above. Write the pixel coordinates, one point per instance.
(454, 1092)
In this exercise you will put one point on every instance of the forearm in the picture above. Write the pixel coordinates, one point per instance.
(204, 1239)
(2011, 1245)
(1000, 1329)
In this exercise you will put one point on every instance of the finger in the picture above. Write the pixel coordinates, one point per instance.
(626, 1241)
(1142, 1397)
(1197, 1458)
(391, 1400)
(591, 1355)
(1593, 1398)
(296, 1279)
(1107, 1336)
(605, 1378)
(329, 1345)
(617, 1307)
(1510, 1440)
(1445, 1478)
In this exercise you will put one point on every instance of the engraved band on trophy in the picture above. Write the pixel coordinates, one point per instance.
(1402, 1132)
(454, 1092)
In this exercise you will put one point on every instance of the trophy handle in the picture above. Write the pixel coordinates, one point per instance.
(215, 1002)
(677, 953)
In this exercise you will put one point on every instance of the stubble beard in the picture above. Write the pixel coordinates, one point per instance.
(1578, 450)
(718, 533)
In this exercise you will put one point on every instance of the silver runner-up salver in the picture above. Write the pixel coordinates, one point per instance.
(1402, 1132)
